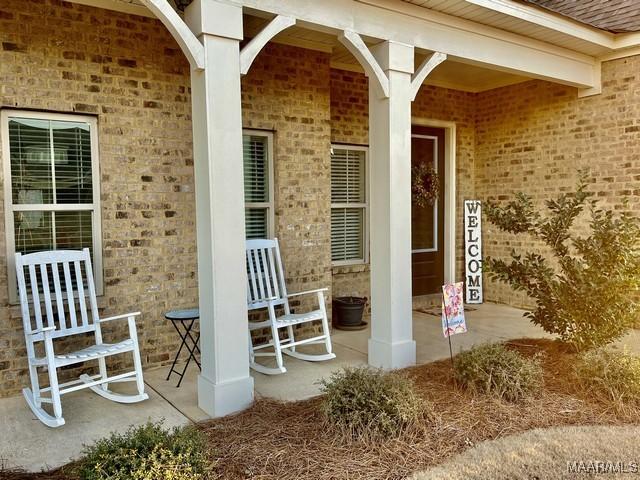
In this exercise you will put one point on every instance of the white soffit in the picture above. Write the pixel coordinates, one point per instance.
(533, 22)
(450, 74)
(454, 75)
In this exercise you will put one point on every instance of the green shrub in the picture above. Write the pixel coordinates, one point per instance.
(364, 401)
(496, 370)
(148, 452)
(586, 289)
(611, 374)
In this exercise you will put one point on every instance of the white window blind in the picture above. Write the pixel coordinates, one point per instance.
(257, 151)
(348, 204)
(51, 192)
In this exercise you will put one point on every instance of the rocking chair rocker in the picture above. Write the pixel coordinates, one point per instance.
(266, 289)
(72, 319)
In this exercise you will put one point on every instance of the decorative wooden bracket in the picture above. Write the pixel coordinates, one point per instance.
(354, 43)
(423, 71)
(257, 43)
(189, 44)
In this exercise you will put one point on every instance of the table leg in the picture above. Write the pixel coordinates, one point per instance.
(182, 343)
(191, 349)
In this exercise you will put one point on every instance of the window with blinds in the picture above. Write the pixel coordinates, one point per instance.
(51, 192)
(348, 205)
(257, 148)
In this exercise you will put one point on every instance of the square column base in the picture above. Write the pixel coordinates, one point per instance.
(218, 400)
(392, 355)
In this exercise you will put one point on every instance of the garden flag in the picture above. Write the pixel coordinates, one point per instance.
(453, 309)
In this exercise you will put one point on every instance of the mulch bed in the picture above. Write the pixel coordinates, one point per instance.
(276, 440)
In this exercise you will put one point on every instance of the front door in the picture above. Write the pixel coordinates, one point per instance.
(427, 223)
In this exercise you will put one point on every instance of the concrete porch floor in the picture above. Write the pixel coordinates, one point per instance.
(29, 444)
(487, 322)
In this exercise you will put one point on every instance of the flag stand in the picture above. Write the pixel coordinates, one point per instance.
(446, 319)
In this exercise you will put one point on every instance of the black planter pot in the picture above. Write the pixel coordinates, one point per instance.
(347, 313)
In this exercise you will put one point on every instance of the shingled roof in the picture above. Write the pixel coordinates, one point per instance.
(616, 16)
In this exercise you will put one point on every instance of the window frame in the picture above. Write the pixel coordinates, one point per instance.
(364, 206)
(270, 205)
(10, 208)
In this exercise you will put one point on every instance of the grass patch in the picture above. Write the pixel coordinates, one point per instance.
(496, 370)
(363, 402)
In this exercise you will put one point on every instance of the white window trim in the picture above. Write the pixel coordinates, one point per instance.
(365, 206)
(10, 208)
(269, 206)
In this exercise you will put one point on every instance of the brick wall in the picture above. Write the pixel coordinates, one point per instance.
(349, 124)
(534, 136)
(287, 92)
(128, 72)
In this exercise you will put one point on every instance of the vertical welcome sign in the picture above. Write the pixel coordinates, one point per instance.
(473, 250)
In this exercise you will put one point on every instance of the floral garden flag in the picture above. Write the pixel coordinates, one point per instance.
(453, 309)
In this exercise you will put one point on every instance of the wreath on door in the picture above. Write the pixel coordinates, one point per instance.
(425, 185)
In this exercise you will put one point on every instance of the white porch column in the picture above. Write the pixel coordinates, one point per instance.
(391, 344)
(224, 386)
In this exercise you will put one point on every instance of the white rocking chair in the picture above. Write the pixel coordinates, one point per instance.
(72, 319)
(266, 289)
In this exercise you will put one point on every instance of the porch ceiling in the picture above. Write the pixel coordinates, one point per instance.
(450, 74)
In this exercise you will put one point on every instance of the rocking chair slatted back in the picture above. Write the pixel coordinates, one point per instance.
(265, 275)
(57, 286)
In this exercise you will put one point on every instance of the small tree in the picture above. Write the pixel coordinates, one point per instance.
(586, 291)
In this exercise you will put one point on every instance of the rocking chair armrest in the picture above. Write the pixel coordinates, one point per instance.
(42, 330)
(308, 292)
(120, 317)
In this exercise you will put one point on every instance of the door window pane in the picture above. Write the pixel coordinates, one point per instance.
(423, 219)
